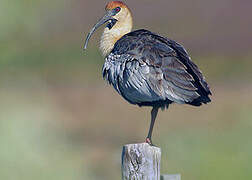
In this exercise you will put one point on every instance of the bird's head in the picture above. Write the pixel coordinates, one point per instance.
(118, 22)
(119, 10)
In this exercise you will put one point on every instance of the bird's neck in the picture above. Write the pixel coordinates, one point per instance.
(110, 36)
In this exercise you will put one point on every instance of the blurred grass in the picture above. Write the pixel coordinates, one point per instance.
(29, 149)
(75, 133)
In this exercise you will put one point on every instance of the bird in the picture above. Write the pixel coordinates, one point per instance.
(145, 68)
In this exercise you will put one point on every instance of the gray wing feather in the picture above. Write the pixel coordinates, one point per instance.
(168, 76)
(139, 82)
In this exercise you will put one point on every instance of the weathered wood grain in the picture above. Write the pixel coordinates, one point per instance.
(141, 162)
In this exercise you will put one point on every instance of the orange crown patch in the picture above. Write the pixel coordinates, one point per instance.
(114, 4)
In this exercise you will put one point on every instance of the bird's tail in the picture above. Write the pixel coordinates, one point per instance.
(200, 100)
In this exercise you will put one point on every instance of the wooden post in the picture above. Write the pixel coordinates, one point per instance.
(141, 162)
(171, 177)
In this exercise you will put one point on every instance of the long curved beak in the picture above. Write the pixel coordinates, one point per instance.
(104, 19)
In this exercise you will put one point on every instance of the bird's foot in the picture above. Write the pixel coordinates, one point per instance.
(148, 140)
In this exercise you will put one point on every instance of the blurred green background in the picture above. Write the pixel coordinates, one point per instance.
(59, 120)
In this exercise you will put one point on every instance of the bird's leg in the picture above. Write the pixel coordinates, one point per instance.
(154, 112)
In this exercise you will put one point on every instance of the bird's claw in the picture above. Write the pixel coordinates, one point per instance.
(148, 140)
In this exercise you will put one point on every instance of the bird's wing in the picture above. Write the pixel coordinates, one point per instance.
(192, 68)
(170, 72)
(131, 78)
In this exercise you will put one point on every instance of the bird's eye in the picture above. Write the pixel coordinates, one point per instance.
(117, 9)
